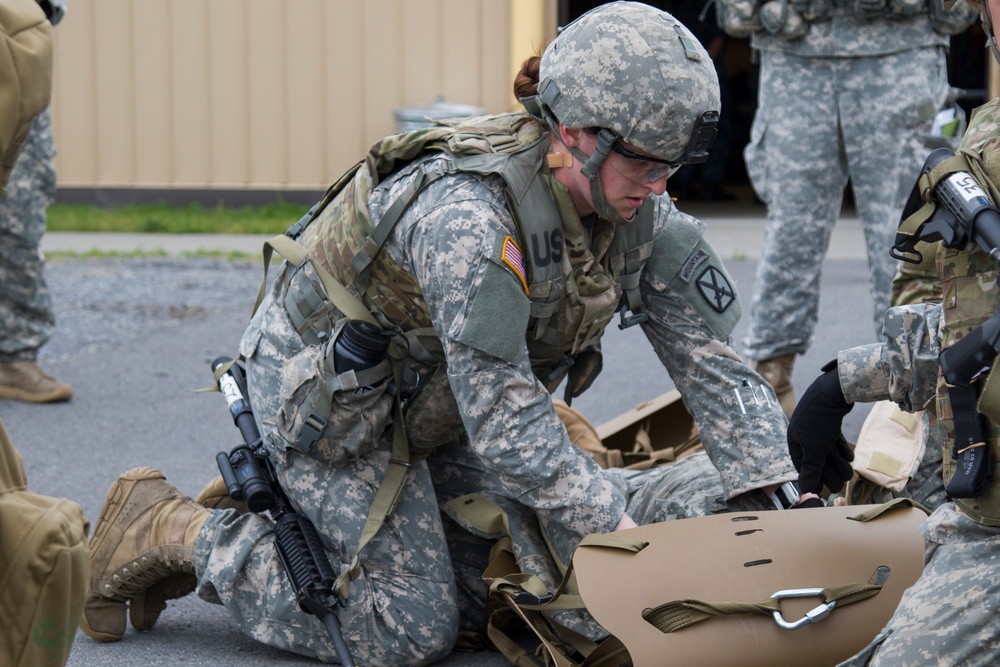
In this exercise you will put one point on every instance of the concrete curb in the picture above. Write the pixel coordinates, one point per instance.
(733, 237)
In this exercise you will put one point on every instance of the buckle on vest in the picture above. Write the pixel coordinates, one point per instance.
(311, 430)
(526, 598)
(630, 320)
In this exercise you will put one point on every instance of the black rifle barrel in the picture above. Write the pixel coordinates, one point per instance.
(298, 544)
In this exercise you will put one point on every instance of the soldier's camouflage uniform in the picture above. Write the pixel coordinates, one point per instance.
(26, 318)
(949, 617)
(405, 607)
(852, 99)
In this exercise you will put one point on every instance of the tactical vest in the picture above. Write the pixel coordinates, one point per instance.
(575, 282)
(969, 296)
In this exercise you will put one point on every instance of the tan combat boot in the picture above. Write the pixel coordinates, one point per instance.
(142, 550)
(25, 381)
(778, 373)
(145, 609)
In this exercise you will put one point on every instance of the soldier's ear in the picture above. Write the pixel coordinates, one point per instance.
(570, 136)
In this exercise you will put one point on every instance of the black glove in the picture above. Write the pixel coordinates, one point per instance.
(815, 441)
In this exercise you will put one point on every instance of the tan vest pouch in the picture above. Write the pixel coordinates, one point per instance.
(890, 446)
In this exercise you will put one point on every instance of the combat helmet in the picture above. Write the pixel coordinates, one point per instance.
(639, 75)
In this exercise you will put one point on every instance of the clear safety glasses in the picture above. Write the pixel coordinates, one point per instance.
(640, 168)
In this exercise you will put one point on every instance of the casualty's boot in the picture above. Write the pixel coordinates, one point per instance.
(25, 381)
(143, 543)
(215, 496)
(778, 373)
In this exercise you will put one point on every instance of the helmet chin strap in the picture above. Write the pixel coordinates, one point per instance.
(591, 165)
(991, 40)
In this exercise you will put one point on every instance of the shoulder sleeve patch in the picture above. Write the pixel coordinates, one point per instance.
(513, 258)
(715, 288)
(692, 264)
(497, 310)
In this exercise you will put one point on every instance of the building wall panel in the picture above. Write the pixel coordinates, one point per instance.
(261, 94)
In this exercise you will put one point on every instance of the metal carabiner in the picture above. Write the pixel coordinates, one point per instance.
(817, 614)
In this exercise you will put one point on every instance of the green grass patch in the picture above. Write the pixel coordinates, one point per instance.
(234, 256)
(164, 218)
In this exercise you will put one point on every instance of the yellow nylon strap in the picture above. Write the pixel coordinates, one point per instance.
(506, 583)
(876, 512)
(679, 614)
(389, 493)
(927, 182)
(296, 255)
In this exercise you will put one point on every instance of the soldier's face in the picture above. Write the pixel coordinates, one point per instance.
(627, 181)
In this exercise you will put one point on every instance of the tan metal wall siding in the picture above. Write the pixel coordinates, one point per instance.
(264, 94)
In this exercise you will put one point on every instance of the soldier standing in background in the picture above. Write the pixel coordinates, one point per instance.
(848, 91)
(949, 616)
(26, 317)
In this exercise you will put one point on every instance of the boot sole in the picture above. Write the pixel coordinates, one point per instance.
(48, 397)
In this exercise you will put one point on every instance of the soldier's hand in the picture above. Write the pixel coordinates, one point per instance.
(816, 444)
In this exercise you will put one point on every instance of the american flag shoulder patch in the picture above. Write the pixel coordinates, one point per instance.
(513, 258)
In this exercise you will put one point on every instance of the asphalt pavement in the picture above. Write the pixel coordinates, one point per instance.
(135, 336)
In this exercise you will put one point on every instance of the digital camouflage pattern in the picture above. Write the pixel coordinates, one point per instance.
(674, 77)
(26, 317)
(913, 284)
(877, 110)
(949, 616)
(448, 240)
(848, 33)
(918, 283)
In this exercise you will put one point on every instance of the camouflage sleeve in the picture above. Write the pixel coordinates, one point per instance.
(480, 311)
(902, 368)
(688, 295)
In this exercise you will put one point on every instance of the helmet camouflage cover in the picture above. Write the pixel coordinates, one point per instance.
(637, 71)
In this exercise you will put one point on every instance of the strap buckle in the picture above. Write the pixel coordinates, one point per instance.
(812, 616)
(530, 599)
(637, 316)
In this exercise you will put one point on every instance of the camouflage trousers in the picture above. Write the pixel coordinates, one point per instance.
(405, 607)
(26, 319)
(820, 123)
(949, 616)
